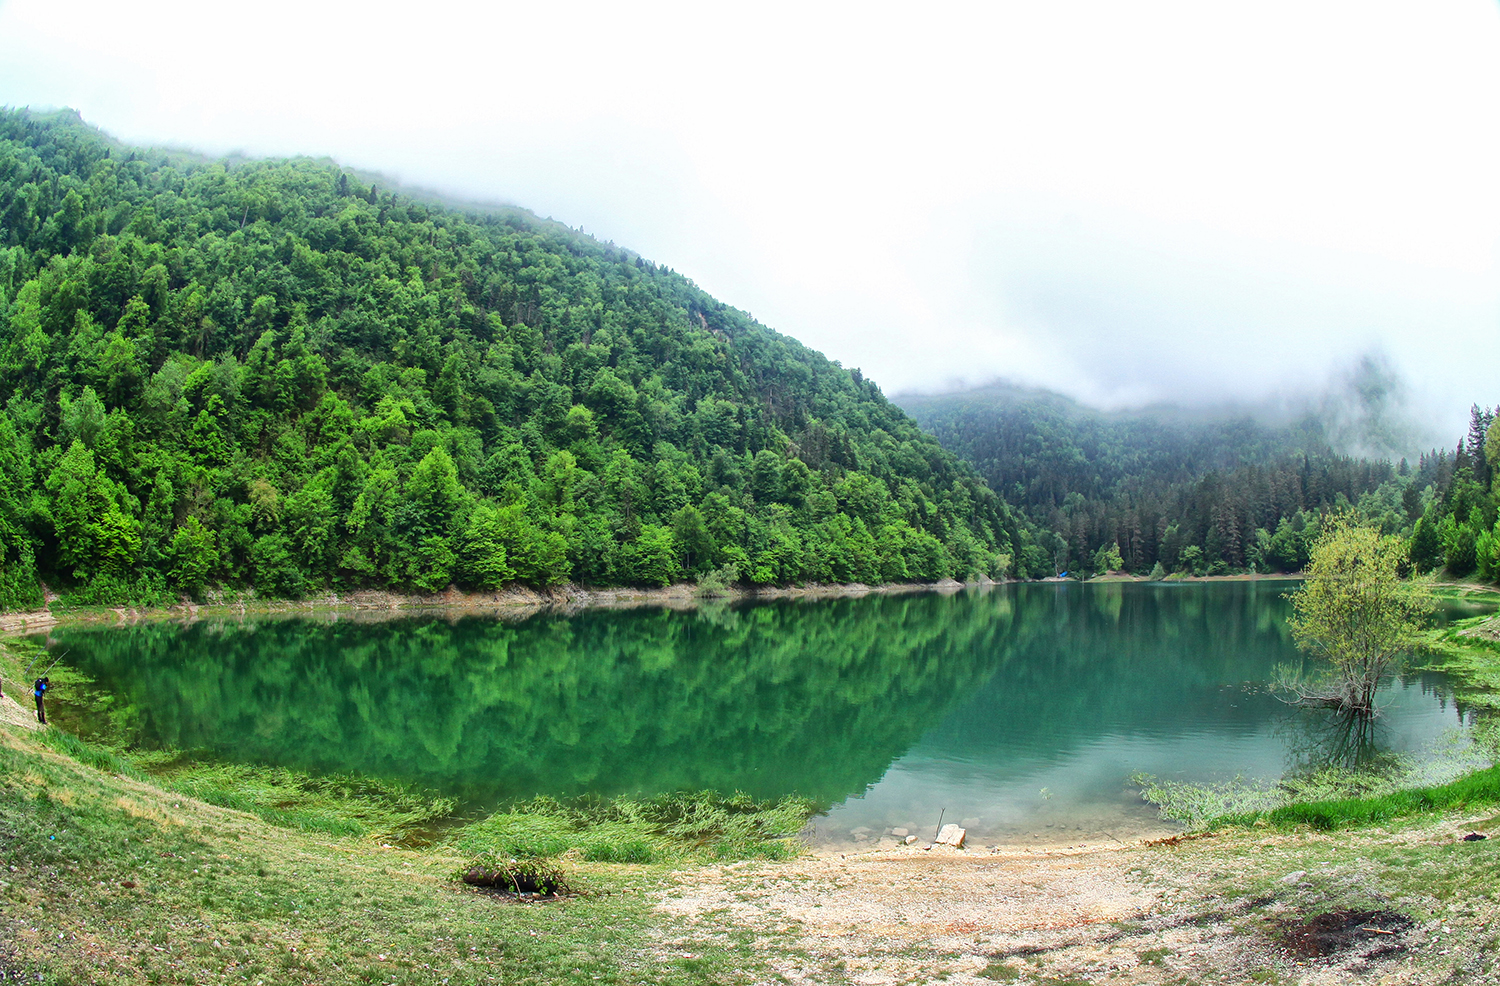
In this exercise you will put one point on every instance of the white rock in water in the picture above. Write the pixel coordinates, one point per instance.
(952, 835)
(910, 839)
(900, 833)
(861, 830)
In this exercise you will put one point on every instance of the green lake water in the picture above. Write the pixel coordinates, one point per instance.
(1020, 710)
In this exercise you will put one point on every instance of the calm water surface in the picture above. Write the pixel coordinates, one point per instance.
(1020, 711)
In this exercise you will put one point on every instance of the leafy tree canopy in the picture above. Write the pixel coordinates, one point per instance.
(263, 373)
(1356, 611)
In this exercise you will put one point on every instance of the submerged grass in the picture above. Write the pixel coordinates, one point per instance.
(333, 805)
(336, 804)
(1468, 653)
(1477, 790)
(1206, 805)
(680, 827)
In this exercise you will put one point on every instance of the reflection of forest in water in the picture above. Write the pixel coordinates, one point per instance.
(815, 698)
(810, 697)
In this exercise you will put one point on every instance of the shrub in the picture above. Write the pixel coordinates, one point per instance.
(517, 876)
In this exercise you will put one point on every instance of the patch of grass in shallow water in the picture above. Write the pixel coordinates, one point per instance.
(338, 805)
(682, 826)
(1206, 805)
(1477, 790)
(1471, 662)
(1453, 774)
(334, 804)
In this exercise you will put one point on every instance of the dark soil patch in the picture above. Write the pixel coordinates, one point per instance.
(525, 896)
(1336, 932)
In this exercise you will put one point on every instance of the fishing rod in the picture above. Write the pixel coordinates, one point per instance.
(27, 672)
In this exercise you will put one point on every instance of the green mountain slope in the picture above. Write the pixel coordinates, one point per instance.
(264, 372)
(1203, 493)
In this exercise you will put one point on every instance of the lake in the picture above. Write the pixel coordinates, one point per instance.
(1020, 710)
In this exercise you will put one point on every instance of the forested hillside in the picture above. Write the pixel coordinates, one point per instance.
(270, 373)
(1203, 494)
(1459, 530)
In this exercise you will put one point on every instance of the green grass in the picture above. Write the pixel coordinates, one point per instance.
(1471, 663)
(683, 827)
(680, 827)
(1477, 790)
(1001, 972)
(113, 878)
(332, 805)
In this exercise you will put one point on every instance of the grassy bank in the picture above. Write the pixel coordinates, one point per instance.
(111, 875)
(1481, 789)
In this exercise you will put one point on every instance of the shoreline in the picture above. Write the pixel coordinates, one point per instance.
(514, 602)
(1156, 912)
(521, 602)
(1206, 906)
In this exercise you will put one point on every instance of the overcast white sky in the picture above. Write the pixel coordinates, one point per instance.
(1126, 202)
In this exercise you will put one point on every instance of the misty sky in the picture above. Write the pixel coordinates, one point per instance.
(1126, 202)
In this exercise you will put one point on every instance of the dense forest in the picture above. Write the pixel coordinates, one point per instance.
(1459, 530)
(272, 374)
(1166, 491)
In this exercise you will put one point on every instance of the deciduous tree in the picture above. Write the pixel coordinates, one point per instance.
(1356, 612)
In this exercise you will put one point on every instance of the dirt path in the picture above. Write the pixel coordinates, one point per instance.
(1139, 914)
(908, 915)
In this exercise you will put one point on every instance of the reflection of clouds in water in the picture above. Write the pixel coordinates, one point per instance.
(1087, 789)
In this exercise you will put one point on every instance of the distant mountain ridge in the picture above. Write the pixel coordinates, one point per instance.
(1197, 491)
(1091, 451)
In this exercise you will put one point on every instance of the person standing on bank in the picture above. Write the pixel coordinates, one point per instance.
(41, 689)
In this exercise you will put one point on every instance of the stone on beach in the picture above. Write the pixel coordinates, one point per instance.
(952, 835)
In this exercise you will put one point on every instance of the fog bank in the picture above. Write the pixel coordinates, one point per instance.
(1166, 201)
